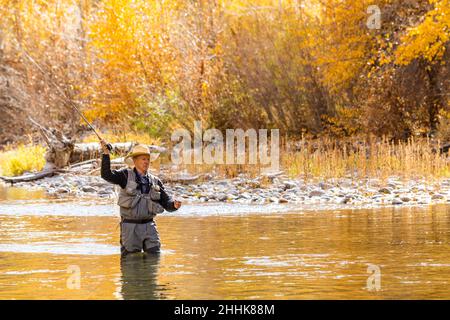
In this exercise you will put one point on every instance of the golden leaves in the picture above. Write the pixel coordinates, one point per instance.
(132, 53)
(429, 38)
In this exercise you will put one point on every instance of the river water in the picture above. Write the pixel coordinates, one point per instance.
(53, 249)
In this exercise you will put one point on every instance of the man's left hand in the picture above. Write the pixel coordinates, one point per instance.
(177, 204)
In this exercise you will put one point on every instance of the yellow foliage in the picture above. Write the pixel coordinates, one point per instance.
(124, 137)
(429, 38)
(23, 158)
(345, 123)
(149, 65)
(132, 52)
(341, 44)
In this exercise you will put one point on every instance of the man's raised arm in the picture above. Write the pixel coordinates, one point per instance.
(115, 176)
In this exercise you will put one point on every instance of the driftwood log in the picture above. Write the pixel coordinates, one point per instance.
(64, 153)
(57, 156)
(30, 176)
(184, 178)
(83, 158)
(59, 149)
(87, 151)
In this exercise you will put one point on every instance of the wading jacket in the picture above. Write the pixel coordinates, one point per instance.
(140, 197)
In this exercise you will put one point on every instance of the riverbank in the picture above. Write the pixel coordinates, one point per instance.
(268, 189)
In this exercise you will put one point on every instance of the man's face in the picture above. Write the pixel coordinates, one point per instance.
(142, 162)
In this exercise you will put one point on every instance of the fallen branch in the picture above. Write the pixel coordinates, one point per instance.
(184, 179)
(91, 150)
(79, 164)
(65, 157)
(30, 176)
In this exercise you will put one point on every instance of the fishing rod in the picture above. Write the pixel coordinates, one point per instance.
(66, 99)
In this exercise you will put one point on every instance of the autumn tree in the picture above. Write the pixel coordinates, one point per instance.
(43, 42)
(407, 74)
(427, 44)
(336, 67)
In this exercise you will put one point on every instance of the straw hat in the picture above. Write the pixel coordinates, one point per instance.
(138, 150)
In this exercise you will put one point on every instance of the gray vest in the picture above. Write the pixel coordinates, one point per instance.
(136, 205)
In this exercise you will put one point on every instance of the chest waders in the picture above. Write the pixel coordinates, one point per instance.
(137, 229)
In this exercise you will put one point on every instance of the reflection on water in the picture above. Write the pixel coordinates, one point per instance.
(61, 248)
(12, 193)
(296, 255)
(139, 277)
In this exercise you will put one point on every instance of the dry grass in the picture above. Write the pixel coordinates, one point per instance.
(415, 158)
(328, 159)
(314, 159)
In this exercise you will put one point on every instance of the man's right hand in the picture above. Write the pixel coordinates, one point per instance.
(103, 145)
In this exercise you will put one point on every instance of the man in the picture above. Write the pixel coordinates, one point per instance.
(141, 198)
